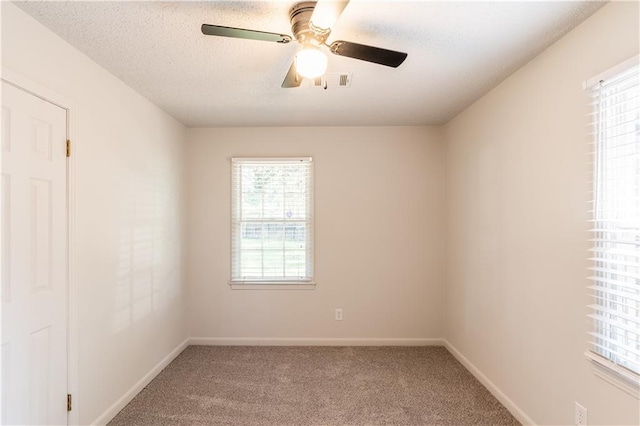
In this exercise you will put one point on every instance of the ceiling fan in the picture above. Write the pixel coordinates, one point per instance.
(311, 24)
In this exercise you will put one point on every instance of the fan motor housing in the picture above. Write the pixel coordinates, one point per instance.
(300, 16)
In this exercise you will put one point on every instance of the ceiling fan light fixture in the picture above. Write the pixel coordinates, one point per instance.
(311, 62)
(311, 24)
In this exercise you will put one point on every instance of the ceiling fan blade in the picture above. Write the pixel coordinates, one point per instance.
(326, 13)
(390, 58)
(292, 79)
(217, 30)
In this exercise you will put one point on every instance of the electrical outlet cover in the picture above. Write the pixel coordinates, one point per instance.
(581, 415)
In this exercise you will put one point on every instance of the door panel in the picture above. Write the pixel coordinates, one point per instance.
(34, 260)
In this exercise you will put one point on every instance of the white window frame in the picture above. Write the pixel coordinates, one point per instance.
(604, 367)
(237, 282)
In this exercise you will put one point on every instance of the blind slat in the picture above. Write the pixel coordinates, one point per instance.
(623, 360)
(618, 272)
(618, 283)
(628, 301)
(613, 261)
(615, 242)
(598, 320)
(615, 252)
(618, 344)
(615, 314)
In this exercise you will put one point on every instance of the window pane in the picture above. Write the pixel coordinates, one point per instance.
(251, 205)
(295, 263)
(294, 180)
(295, 206)
(274, 205)
(251, 262)
(295, 236)
(273, 263)
(251, 235)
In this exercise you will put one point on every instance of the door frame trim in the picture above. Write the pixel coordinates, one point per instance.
(67, 104)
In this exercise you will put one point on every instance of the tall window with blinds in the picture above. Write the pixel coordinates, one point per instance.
(614, 312)
(272, 220)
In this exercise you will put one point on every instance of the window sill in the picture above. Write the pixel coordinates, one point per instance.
(303, 285)
(608, 372)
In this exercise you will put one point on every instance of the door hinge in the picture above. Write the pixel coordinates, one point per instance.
(68, 402)
(68, 148)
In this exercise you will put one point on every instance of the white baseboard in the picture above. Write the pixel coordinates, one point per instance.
(286, 341)
(111, 412)
(516, 411)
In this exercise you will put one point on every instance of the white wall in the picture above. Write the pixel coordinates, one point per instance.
(378, 205)
(516, 191)
(129, 158)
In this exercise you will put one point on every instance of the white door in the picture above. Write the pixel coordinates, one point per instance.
(34, 260)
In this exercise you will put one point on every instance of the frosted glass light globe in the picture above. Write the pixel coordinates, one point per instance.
(311, 62)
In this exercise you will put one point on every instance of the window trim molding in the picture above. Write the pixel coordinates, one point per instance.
(262, 159)
(614, 374)
(611, 72)
(306, 283)
(273, 285)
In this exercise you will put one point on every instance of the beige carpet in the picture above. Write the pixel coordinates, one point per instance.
(261, 385)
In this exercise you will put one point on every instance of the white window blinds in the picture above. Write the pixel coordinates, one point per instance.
(272, 220)
(615, 309)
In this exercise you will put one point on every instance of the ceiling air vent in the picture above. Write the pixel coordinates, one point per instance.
(333, 80)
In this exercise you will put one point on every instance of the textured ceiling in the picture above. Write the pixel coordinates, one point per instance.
(458, 51)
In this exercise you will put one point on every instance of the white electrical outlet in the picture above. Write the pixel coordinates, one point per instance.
(338, 314)
(581, 415)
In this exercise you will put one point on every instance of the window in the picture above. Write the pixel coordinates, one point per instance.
(614, 337)
(272, 221)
